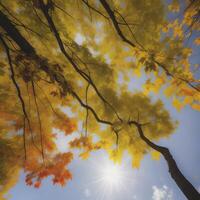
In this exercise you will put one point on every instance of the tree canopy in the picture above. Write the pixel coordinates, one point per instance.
(106, 61)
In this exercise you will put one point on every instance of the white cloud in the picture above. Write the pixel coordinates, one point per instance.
(162, 193)
(87, 192)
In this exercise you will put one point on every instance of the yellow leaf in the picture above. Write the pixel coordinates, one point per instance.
(178, 32)
(197, 41)
(177, 104)
(155, 155)
(187, 51)
(136, 161)
(188, 100)
(165, 28)
(116, 156)
(187, 91)
(85, 155)
(137, 72)
(169, 91)
(196, 107)
(174, 7)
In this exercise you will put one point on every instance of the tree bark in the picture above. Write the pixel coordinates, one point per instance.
(15, 35)
(186, 187)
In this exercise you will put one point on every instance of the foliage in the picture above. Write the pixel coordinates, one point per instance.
(85, 58)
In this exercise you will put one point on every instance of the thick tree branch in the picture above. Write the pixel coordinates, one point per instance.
(16, 36)
(106, 17)
(186, 187)
(115, 23)
(122, 36)
(62, 48)
(58, 77)
(98, 119)
(18, 21)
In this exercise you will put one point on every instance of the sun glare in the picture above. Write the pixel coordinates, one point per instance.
(109, 180)
(112, 175)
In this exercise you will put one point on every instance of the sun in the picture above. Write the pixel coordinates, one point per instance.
(112, 175)
(110, 179)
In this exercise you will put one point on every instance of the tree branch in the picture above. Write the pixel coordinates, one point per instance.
(115, 23)
(17, 89)
(39, 119)
(87, 114)
(94, 9)
(186, 187)
(18, 93)
(122, 36)
(62, 48)
(98, 119)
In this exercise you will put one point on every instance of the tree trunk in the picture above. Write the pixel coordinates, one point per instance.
(186, 187)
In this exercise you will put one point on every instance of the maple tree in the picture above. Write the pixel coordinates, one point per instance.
(83, 55)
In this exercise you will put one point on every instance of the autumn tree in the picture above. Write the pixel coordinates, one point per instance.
(81, 55)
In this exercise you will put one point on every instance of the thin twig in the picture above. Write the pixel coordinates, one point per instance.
(87, 113)
(17, 88)
(58, 7)
(24, 137)
(39, 119)
(94, 9)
